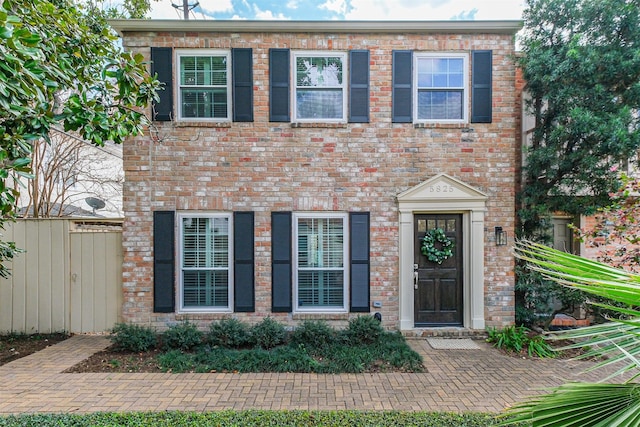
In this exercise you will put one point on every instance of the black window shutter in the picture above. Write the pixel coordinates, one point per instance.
(359, 252)
(162, 66)
(481, 64)
(163, 262)
(281, 267)
(402, 86)
(242, 70)
(243, 262)
(279, 85)
(359, 86)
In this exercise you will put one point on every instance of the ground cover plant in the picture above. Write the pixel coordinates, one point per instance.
(230, 345)
(520, 339)
(16, 345)
(257, 418)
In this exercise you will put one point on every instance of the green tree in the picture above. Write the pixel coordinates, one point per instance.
(54, 47)
(616, 233)
(581, 63)
(615, 343)
(135, 9)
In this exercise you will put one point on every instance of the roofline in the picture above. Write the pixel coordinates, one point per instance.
(283, 26)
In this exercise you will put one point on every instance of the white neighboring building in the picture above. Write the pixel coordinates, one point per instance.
(74, 178)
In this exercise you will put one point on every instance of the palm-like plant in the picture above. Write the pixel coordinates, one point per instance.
(590, 404)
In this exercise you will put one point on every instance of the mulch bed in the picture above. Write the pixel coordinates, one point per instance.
(15, 346)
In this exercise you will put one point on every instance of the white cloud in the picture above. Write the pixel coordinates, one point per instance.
(433, 10)
(337, 6)
(215, 6)
(165, 10)
(292, 4)
(267, 14)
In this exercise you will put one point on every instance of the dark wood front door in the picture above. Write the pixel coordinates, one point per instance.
(438, 287)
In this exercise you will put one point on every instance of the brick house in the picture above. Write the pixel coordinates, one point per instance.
(294, 168)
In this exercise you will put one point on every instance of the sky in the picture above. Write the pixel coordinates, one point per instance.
(325, 10)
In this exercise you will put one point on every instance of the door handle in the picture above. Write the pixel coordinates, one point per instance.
(415, 280)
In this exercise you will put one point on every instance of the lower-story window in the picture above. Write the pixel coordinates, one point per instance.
(320, 275)
(205, 260)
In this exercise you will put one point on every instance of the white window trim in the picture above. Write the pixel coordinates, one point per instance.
(345, 85)
(205, 309)
(345, 264)
(179, 53)
(466, 88)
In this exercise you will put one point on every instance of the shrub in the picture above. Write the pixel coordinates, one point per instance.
(229, 333)
(516, 338)
(363, 330)
(181, 336)
(131, 337)
(256, 418)
(268, 333)
(314, 334)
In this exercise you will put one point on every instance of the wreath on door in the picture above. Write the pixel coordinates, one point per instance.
(436, 246)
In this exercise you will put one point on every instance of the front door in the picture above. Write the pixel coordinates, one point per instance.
(438, 285)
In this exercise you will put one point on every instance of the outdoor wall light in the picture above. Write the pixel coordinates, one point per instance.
(501, 236)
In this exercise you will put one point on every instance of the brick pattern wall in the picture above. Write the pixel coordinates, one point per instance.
(265, 167)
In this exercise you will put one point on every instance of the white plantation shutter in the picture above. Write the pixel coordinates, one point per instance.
(205, 261)
(321, 261)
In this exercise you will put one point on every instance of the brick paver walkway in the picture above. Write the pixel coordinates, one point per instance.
(457, 380)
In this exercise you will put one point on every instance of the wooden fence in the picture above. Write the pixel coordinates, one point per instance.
(68, 279)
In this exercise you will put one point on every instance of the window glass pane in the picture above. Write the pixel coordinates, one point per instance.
(204, 103)
(320, 242)
(320, 288)
(440, 72)
(203, 70)
(319, 71)
(319, 104)
(205, 288)
(433, 105)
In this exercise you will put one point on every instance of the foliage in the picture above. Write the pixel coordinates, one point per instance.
(616, 233)
(313, 347)
(315, 335)
(183, 336)
(436, 246)
(255, 418)
(363, 330)
(132, 337)
(50, 48)
(229, 333)
(126, 9)
(617, 343)
(581, 63)
(517, 338)
(268, 333)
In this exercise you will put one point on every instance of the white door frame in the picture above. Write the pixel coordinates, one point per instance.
(441, 194)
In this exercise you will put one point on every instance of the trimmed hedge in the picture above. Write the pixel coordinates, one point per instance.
(256, 418)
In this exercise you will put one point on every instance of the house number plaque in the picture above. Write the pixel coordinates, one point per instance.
(441, 189)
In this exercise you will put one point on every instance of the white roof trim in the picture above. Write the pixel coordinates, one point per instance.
(243, 26)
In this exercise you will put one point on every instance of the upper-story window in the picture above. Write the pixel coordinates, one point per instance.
(204, 91)
(441, 87)
(319, 86)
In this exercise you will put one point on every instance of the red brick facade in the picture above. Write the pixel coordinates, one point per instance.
(264, 166)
